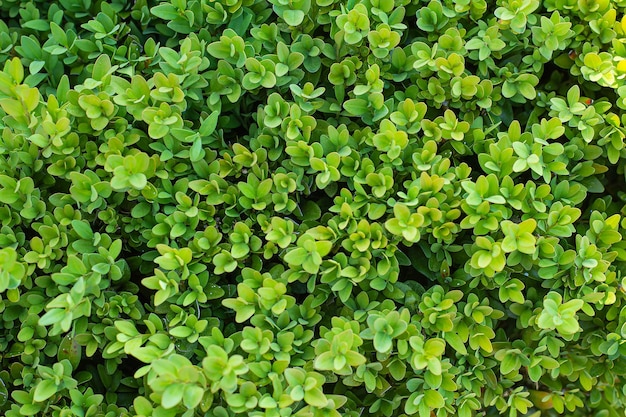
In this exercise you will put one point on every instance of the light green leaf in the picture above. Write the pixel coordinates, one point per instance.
(172, 395)
(192, 396)
(44, 390)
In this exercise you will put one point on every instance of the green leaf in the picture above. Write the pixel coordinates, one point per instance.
(527, 90)
(172, 395)
(16, 70)
(382, 342)
(434, 399)
(101, 67)
(82, 229)
(315, 397)
(456, 342)
(70, 349)
(37, 24)
(356, 106)
(293, 17)
(141, 210)
(509, 89)
(138, 181)
(44, 390)
(192, 396)
(397, 369)
(239, 250)
(53, 316)
(296, 256)
(509, 363)
(165, 11)
(142, 406)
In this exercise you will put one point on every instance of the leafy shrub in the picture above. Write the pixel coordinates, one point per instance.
(312, 208)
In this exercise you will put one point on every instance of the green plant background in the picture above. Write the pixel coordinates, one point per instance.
(312, 208)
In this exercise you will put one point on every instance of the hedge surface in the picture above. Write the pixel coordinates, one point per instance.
(312, 208)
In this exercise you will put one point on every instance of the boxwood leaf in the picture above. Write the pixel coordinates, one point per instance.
(44, 390)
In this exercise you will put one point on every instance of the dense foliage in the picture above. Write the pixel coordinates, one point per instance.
(314, 208)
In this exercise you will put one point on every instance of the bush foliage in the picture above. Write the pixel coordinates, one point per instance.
(314, 208)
